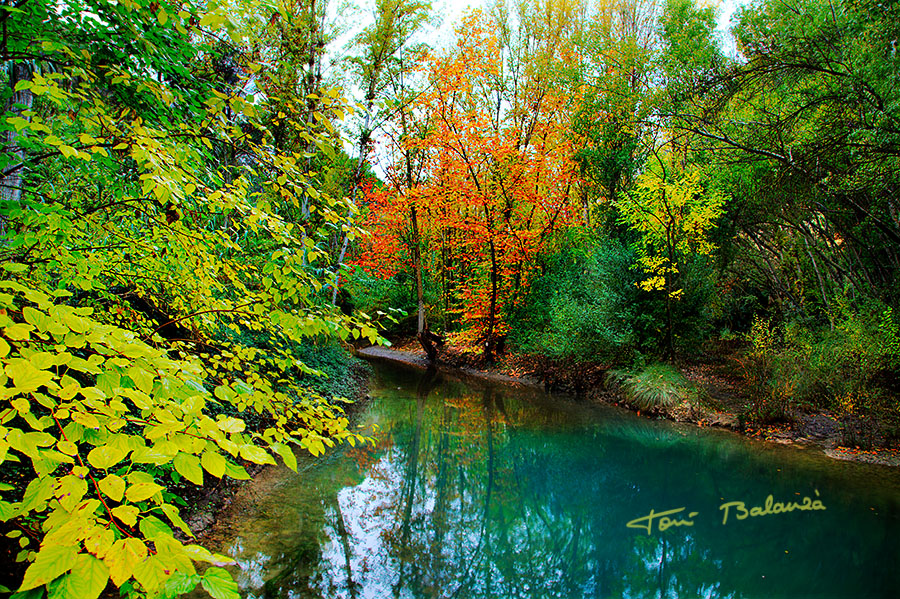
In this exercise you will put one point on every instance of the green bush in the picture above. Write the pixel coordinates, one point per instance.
(328, 369)
(846, 365)
(582, 306)
(586, 305)
(656, 387)
(391, 301)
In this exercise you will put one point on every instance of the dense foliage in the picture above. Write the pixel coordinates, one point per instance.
(603, 181)
(165, 245)
(185, 242)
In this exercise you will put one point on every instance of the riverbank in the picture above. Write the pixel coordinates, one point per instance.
(721, 407)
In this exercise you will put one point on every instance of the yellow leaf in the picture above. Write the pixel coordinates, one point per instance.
(27, 378)
(98, 540)
(150, 572)
(126, 513)
(142, 378)
(214, 463)
(122, 558)
(67, 447)
(68, 151)
(142, 491)
(106, 456)
(51, 561)
(255, 454)
(231, 425)
(171, 513)
(70, 491)
(18, 331)
(43, 360)
(113, 486)
(188, 466)
(86, 581)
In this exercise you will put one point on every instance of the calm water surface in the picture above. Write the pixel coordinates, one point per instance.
(483, 491)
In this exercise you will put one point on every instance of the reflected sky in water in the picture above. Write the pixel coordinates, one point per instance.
(477, 491)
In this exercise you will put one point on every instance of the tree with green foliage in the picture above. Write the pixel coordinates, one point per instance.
(805, 128)
(153, 300)
(381, 49)
(673, 219)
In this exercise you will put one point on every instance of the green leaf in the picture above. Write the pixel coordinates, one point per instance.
(287, 454)
(255, 454)
(219, 583)
(149, 455)
(142, 378)
(171, 513)
(188, 466)
(37, 318)
(142, 491)
(152, 527)
(14, 267)
(86, 581)
(235, 471)
(51, 562)
(38, 491)
(27, 378)
(214, 463)
(150, 572)
(180, 584)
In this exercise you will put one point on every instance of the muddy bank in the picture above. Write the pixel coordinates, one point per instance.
(820, 430)
(418, 360)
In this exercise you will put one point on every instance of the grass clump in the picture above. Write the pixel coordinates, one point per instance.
(653, 388)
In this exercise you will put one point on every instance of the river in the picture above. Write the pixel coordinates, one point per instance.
(479, 490)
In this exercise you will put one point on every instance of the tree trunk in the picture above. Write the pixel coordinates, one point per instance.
(11, 179)
(670, 325)
(490, 342)
(364, 138)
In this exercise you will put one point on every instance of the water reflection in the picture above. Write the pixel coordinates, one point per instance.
(476, 491)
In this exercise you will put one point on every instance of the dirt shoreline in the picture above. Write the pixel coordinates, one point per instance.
(817, 430)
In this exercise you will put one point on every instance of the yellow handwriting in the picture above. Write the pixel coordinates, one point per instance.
(768, 508)
(664, 522)
(739, 509)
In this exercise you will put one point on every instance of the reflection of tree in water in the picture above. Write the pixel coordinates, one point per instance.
(473, 493)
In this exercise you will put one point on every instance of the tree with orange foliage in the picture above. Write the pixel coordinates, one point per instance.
(497, 175)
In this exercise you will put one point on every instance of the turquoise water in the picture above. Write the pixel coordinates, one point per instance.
(485, 491)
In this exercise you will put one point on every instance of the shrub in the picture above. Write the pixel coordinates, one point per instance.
(104, 425)
(582, 307)
(587, 305)
(844, 365)
(654, 388)
(392, 300)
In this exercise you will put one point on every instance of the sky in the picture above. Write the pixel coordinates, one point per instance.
(449, 12)
(454, 9)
